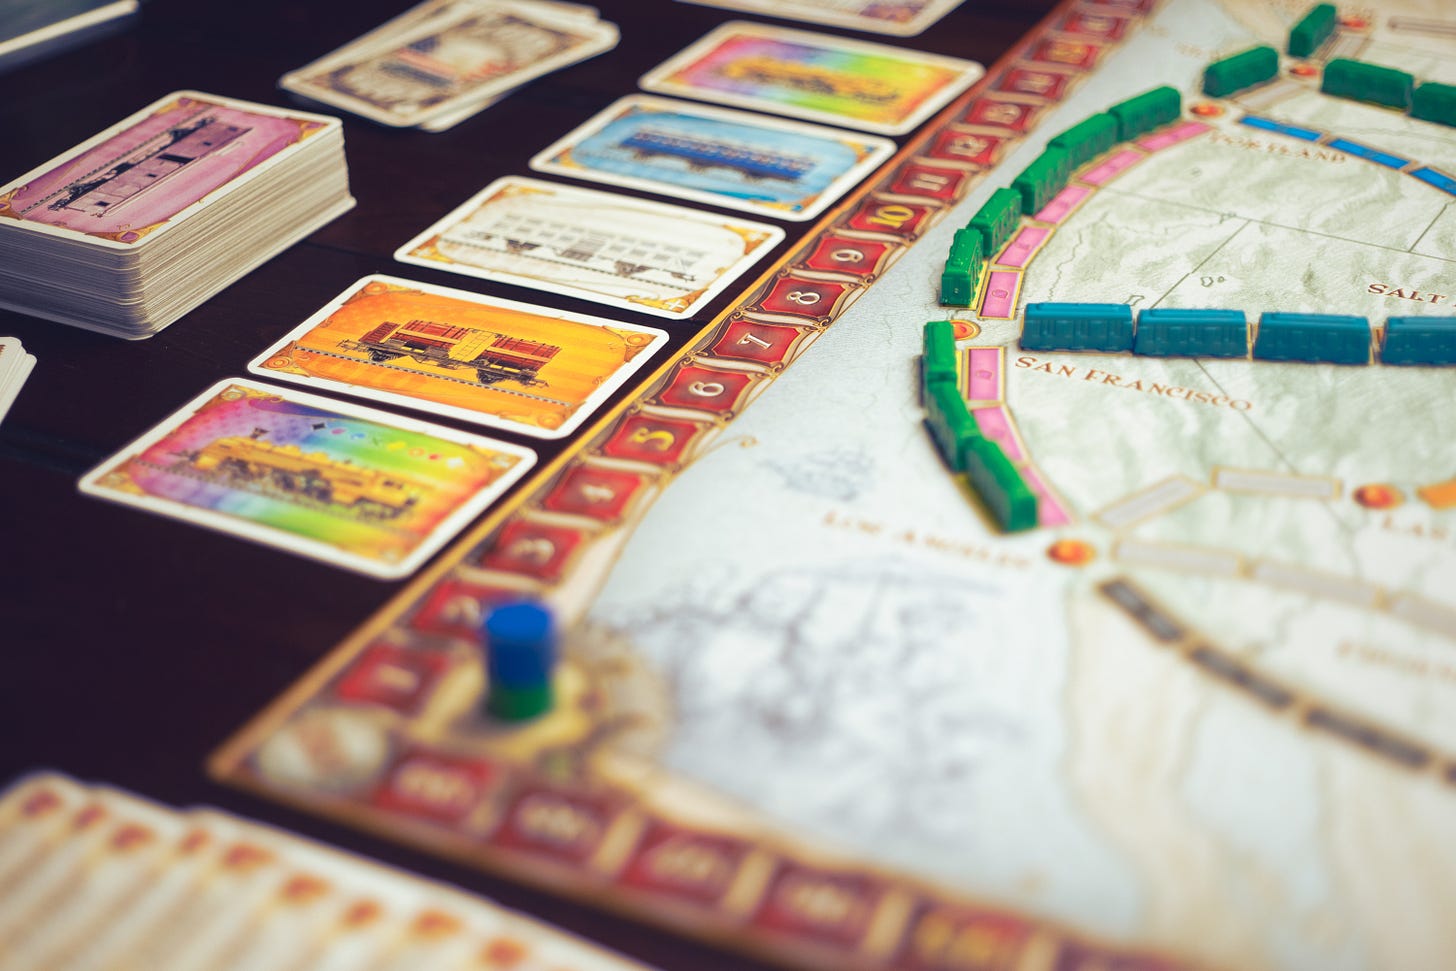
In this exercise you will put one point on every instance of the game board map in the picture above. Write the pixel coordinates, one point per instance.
(651, 841)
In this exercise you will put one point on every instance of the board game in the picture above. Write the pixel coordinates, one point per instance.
(815, 706)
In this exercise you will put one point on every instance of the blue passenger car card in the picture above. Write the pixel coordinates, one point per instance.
(733, 159)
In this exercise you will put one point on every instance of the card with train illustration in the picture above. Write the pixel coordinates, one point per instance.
(818, 77)
(353, 486)
(156, 168)
(599, 246)
(532, 370)
(734, 159)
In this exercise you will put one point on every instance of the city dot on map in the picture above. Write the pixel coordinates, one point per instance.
(1071, 552)
(1378, 496)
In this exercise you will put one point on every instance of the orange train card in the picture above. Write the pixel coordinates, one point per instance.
(509, 365)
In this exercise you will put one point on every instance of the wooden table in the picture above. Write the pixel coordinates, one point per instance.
(134, 644)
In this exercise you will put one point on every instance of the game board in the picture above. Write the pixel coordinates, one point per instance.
(815, 707)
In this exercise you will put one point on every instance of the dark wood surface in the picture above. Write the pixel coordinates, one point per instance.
(132, 644)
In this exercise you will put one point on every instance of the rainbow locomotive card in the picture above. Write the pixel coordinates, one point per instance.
(817, 77)
(779, 168)
(352, 486)
(510, 365)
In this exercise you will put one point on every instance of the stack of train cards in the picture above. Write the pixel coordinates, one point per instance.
(15, 367)
(128, 231)
(96, 878)
(443, 61)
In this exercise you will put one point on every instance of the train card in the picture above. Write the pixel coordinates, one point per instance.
(600, 246)
(448, 55)
(905, 18)
(784, 169)
(509, 365)
(116, 845)
(154, 169)
(814, 76)
(356, 487)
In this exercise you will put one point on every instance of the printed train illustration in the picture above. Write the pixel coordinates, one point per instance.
(705, 153)
(149, 166)
(493, 356)
(286, 471)
(807, 77)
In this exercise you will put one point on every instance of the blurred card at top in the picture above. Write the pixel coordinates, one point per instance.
(818, 77)
(447, 56)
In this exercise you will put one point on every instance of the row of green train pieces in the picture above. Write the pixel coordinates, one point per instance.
(996, 220)
(993, 224)
(1343, 77)
(1003, 491)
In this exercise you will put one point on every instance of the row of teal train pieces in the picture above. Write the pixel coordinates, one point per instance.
(1278, 336)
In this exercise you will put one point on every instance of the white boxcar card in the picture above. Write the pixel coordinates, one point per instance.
(600, 246)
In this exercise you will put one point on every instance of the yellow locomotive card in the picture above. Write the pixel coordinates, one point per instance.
(495, 362)
(353, 486)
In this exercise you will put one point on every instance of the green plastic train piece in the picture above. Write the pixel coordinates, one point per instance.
(962, 268)
(1042, 179)
(1312, 30)
(1359, 81)
(1240, 71)
(1146, 111)
(938, 356)
(950, 422)
(997, 218)
(1087, 139)
(1002, 489)
(1435, 102)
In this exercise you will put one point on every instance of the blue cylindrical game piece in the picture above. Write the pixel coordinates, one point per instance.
(520, 642)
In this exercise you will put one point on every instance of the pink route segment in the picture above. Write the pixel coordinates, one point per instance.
(1162, 140)
(995, 424)
(1024, 245)
(984, 367)
(1112, 168)
(1059, 208)
(1049, 511)
(1002, 286)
